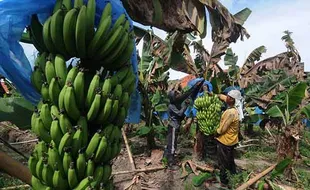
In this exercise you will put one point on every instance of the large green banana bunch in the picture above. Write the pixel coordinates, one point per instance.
(208, 113)
(83, 106)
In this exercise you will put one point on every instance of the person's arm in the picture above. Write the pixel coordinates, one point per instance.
(225, 122)
(185, 95)
(14, 168)
(176, 111)
(222, 97)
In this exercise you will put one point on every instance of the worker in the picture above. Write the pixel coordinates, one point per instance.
(176, 111)
(227, 133)
(14, 168)
(199, 148)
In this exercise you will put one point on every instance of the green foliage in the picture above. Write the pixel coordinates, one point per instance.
(284, 108)
(198, 180)
(159, 131)
(238, 179)
(16, 110)
(280, 168)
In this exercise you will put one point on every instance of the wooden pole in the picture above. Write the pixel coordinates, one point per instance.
(139, 170)
(133, 167)
(256, 178)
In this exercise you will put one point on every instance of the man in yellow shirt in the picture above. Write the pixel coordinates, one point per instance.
(227, 135)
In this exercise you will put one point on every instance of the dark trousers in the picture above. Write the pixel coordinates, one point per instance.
(172, 137)
(226, 161)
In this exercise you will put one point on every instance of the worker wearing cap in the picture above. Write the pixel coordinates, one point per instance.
(227, 133)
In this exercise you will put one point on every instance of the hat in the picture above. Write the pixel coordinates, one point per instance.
(235, 94)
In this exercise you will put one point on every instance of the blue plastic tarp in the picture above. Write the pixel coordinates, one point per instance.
(191, 111)
(15, 16)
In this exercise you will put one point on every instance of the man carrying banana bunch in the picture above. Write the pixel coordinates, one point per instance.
(227, 133)
(178, 105)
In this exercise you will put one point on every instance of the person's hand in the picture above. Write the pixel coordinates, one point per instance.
(187, 102)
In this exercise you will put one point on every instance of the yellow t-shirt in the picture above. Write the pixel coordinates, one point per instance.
(229, 127)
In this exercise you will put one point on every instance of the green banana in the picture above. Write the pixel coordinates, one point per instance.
(98, 174)
(107, 131)
(32, 163)
(50, 72)
(115, 148)
(120, 75)
(77, 141)
(107, 173)
(90, 166)
(101, 149)
(122, 114)
(105, 112)
(69, 31)
(106, 90)
(67, 159)
(110, 44)
(94, 109)
(57, 5)
(47, 174)
(65, 141)
(34, 126)
(42, 60)
(56, 28)
(117, 93)
(44, 92)
(55, 112)
(64, 123)
(107, 11)
(116, 135)
(90, 14)
(107, 155)
(36, 33)
(42, 132)
(81, 165)
(72, 176)
(54, 90)
(61, 69)
(59, 182)
(70, 104)
(82, 123)
(94, 84)
(78, 3)
(79, 85)
(72, 74)
(37, 184)
(39, 168)
(114, 110)
(84, 183)
(93, 144)
(41, 149)
(61, 98)
(125, 99)
(47, 36)
(118, 50)
(37, 78)
(54, 159)
(100, 36)
(126, 55)
(132, 87)
(80, 32)
(126, 83)
(46, 117)
(67, 4)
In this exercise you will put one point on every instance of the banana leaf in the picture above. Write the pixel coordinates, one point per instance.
(17, 110)
(280, 167)
(295, 96)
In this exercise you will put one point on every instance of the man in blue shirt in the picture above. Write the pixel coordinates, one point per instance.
(176, 111)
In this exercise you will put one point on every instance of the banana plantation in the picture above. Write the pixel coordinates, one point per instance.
(88, 101)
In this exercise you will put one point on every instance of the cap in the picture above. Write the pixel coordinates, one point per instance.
(235, 94)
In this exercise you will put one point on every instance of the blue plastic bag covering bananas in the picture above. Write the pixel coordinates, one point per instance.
(14, 65)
